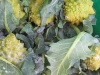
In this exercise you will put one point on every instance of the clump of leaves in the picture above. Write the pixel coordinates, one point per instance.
(38, 37)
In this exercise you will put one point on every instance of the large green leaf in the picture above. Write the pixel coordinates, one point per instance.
(7, 19)
(63, 52)
(6, 68)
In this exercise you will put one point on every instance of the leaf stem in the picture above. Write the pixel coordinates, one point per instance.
(76, 29)
(5, 22)
(48, 43)
(58, 38)
(43, 58)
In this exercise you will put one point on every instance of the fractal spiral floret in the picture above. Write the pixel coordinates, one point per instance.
(77, 10)
(93, 63)
(35, 6)
(12, 50)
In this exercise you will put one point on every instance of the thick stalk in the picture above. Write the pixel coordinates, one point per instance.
(76, 29)
(5, 22)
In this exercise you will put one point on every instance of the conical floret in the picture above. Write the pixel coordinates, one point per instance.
(12, 50)
(77, 10)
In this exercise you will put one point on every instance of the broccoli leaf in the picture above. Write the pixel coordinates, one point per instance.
(7, 68)
(63, 52)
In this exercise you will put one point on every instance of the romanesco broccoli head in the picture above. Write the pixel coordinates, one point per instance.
(12, 50)
(77, 10)
(93, 63)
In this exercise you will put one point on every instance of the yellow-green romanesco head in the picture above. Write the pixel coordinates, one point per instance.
(17, 8)
(34, 15)
(12, 50)
(77, 10)
(93, 63)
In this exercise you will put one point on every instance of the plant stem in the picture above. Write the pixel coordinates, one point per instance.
(76, 29)
(43, 58)
(58, 38)
(5, 22)
(48, 43)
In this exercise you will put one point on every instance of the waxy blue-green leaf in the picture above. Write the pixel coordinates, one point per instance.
(63, 52)
(7, 68)
(7, 19)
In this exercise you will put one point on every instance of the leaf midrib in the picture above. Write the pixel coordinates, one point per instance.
(70, 50)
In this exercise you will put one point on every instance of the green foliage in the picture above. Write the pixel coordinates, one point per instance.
(54, 46)
(7, 68)
(63, 52)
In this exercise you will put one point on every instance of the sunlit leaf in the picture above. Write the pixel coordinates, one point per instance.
(63, 52)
